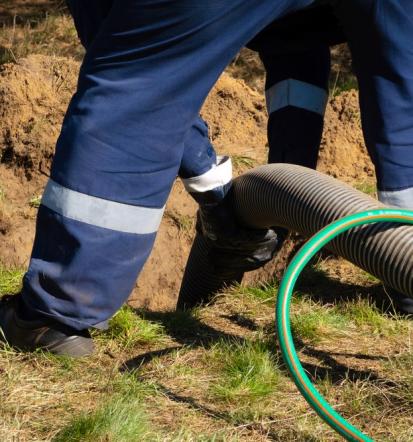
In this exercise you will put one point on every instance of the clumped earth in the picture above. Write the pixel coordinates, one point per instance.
(34, 94)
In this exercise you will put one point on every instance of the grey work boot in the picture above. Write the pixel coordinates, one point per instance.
(32, 335)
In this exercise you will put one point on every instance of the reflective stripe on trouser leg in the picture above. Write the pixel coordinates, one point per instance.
(79, 274)
(398, 198)
(213, 185)
(298, 94)
(205, 176)
(297, 85)
(140, 89)
(99, 212)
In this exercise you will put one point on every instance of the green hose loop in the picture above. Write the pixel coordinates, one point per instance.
(318, 241)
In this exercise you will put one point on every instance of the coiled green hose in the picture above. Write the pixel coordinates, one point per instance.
(307, 389)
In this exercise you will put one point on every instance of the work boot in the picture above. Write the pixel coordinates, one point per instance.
(28, 335)
(401, 303)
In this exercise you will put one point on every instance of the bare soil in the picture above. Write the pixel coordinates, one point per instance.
(33, 98)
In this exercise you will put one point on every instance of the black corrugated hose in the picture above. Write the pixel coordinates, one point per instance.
(305, 201)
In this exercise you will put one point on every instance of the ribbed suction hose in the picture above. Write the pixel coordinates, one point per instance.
(305, 201)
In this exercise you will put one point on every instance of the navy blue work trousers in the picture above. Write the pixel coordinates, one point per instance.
(141, 86)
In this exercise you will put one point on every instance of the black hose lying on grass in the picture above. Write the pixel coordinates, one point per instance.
(305, 201)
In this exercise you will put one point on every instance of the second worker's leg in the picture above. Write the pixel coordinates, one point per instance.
(295, 51)
(296, 93)
(380, 34)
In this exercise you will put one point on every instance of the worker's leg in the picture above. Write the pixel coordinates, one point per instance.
(296, 55)
(199, 156)
(140, 89)
(296, 93)
(380, 34)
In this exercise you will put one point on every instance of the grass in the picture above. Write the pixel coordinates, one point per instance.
(262, 293)
(122, 418)
(10, 280)
(367, 187)
(199, 375)
(35, 201)
(366, 315)
(184, 223)
(53, 35)
(314, 322)
(402, 365)
(342, 82)
(249, 371)
(129, 330)
(243, 161)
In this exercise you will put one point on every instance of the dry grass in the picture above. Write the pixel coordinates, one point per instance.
(52, 35)
(218, 375)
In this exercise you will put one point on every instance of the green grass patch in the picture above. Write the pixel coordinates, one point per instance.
(10, 281)
(128, 329)
(178, 323)
(265, 294)
(247, 371)
(313, 322)
(122, 418)
(364, 314)
(369, 278)
(367, 188)
(243, 161)
(342, 82)
(35, 201)
(184, 223)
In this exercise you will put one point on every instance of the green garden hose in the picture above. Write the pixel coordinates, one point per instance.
(313, 397)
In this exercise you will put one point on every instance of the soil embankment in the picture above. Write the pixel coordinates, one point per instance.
(33, 98)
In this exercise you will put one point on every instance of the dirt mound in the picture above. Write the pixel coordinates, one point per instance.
(33, 98)
(343, 153)
(237, 119)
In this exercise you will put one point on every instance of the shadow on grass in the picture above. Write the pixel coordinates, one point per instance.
(242, 321)
(336, 371)
(262, 429)
(186, 329)
(319, 287)
(20, 12)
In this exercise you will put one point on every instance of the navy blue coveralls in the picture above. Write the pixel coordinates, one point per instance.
(133, 125)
